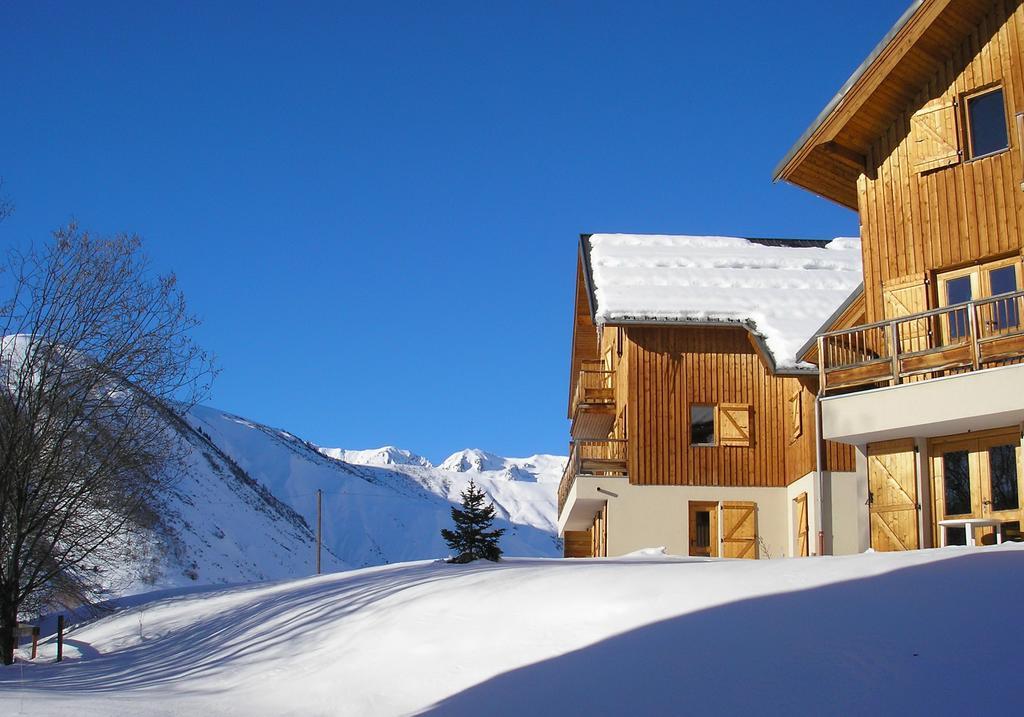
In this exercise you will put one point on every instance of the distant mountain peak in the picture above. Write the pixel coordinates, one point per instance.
(383, 456)
(473, 460)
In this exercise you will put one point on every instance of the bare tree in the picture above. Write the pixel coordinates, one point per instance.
(95, 350)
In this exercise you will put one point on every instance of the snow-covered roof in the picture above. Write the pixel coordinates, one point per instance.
(782, 290)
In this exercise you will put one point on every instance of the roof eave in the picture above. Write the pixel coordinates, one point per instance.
(758, 339)
(784, 169)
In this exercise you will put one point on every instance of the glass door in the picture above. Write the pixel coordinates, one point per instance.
(999, 459)
(956, 486)
(978, 478)
(956, 288)
(704, 529)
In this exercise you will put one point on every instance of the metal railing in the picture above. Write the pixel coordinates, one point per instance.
(594, 385)
(593, 457)
(961, 337)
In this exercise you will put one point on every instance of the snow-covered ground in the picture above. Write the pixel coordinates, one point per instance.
(925, 632)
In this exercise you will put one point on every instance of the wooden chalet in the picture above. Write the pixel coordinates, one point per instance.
(692, 423)
(921, 370)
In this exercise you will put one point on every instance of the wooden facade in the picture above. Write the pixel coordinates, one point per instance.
(934, 209)
(631, 392)
(668, 369)
(896, 147)
(917, 221)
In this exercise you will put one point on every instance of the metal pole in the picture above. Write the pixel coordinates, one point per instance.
(319, 493)
(60, 638)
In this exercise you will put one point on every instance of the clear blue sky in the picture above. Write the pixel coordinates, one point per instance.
(375, 207)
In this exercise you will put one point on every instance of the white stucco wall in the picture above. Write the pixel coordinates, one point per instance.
(652, 516)
(850, 530)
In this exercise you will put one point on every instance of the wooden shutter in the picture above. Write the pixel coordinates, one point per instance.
(734, 424)
(902, 297)
(801, 525)
(1020, 142)
(796, 415)
(892, 486)
(739, 529)
(934, 139)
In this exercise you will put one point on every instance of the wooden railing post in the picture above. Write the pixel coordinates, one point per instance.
(821, 365)
(972, 324)
(894, 353)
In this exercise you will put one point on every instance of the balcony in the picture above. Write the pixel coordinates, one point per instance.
(592, 457)
(954, 339)
(593, 400)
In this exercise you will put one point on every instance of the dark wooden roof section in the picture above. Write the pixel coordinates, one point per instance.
(831, 154)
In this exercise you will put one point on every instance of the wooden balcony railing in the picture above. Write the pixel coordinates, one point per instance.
(962, 337)
(594, 386)
(592, 457)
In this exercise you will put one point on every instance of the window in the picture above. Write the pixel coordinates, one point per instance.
(702, 425)
(1003, 314)
(977, 282)
(986, 123)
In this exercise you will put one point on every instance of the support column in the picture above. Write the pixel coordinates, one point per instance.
(924, 494)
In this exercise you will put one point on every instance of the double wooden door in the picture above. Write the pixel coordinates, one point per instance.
(978, 476)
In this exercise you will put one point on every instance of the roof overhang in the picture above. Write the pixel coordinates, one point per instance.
(830, 156)
(756, 339)
(805, 351)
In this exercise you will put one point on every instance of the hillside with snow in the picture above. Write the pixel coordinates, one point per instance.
(245, 508)
(642, 635)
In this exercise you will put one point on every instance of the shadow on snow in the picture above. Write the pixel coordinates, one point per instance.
(937, 638)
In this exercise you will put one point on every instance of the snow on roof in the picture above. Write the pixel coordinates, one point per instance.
(782, 290)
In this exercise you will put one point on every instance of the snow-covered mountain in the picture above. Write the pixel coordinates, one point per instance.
(540, 468)
(246, 507)
(384, 456)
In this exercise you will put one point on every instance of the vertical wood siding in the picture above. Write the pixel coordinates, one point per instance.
(918, 223)
(669, 368)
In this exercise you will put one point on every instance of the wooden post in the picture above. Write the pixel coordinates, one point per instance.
(60, 638)
(972, 325)
(821, 365)
(894, 354)
(319, 494)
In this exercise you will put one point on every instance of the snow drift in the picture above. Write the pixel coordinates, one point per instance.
(906, 633)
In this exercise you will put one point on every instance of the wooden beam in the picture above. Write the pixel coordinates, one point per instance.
(844, 155)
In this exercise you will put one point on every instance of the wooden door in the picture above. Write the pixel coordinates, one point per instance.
(704, 529)
(802, 547)
(892, 495)
(738, 521)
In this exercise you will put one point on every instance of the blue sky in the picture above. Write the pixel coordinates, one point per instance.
(375, 207)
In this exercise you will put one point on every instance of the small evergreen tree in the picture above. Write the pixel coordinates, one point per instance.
(472, 538)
